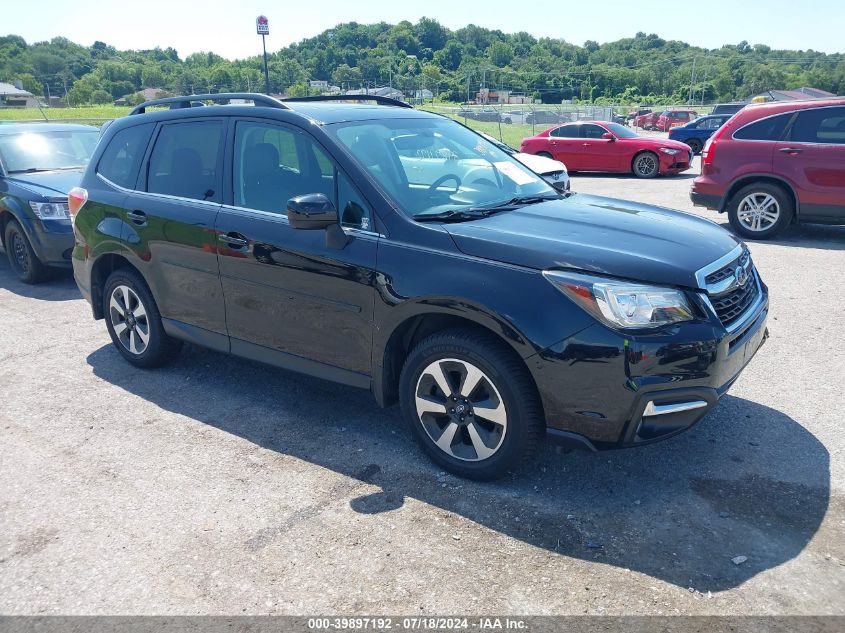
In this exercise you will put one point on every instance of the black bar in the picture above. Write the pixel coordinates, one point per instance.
(187, 101)
(376, 98)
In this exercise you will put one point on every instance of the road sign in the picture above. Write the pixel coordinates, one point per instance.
(262, 25)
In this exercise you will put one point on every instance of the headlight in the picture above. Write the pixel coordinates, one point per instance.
(669, 151)
(622, 304)
(50, 210)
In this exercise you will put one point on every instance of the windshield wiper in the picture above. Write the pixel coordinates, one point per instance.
(33, 170)
(455, 215)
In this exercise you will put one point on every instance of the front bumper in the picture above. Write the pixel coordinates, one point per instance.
(602, 390)
(676, 163)
(52, 240)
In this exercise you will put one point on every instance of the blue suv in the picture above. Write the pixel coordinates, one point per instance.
(695, 133)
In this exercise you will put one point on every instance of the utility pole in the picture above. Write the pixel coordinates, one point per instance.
(262, 27)
(692, 79)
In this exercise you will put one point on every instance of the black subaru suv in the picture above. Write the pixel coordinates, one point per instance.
(399, 251)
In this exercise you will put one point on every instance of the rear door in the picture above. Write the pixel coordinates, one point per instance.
(565, 146)
(170, 223)
(812, 157)
(292, 298)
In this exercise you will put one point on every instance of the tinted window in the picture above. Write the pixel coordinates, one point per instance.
(273, 164)
(123, 155)
(565, 131)
(770, 129)
(185, 160)
(592, 131)
(820, 125)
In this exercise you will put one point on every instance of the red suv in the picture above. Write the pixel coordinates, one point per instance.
(673, 118)
(776, 163)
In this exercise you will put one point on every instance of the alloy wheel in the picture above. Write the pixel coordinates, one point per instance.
(129, 319)
(758, 211)
(646, 165)
(461, 410)
(20, 253)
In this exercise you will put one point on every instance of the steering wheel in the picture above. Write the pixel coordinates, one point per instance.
(444, 178)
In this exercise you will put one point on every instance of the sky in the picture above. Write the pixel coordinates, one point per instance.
(228, 28)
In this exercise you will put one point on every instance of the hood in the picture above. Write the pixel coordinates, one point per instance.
(599, 235)
(656, 142)
(50, 184)
(540, 164)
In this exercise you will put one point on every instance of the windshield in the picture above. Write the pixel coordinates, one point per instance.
(47, 150)
(620, 130)
(434, 166)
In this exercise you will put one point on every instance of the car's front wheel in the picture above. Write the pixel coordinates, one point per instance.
(22, 258)
(134, 322)
(471, 404)
(646, 165)
(760, 211)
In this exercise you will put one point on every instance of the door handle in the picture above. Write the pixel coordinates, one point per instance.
(235, 240)
(585, 144)
(137, 217)
(791, 150)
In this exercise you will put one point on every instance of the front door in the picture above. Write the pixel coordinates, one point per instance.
(169, 223)
(291, 298)
(813, 159)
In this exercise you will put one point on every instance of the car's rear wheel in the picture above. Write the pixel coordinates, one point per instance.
(471, 404)
(134, 322)
(646, 165)
(760, 210)
(695, 145)
(22, 258)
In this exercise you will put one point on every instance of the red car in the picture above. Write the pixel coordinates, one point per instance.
(603, 146)
(646, 121)
(673, 118)
(774, 164)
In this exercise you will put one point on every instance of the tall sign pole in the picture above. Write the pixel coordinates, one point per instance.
(262, 27)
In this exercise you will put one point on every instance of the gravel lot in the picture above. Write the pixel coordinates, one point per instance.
(222, 486)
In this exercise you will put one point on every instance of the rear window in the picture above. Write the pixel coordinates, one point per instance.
(820, 125)
(185, 160)
(122, 157)
(768, 129)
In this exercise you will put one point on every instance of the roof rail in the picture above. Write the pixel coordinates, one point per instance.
(189, 101)
(359, 97)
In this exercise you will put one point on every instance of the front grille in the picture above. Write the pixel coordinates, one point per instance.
(730, 305)
(730, 298)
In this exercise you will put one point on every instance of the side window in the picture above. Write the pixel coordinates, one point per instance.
(820, 125)
(184, 161)
(273, 164)
(354, 211)
(592, 131)
(120, 161)
(769, 129)
(565, 131)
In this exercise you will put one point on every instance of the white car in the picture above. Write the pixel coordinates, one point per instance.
(553, 171)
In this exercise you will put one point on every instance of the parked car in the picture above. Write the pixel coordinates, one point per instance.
(395, 250)
(544, 116)
(646, 121)
(728, 108)
(696, 133)
(39, 164)
(609, 147)
(672, 118)
(775, 164)
(553, 171)
(633, 114)
(516, 117)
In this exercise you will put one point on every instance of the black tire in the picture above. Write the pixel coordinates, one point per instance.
(645, 165)
(505, 382)
(159, 348)
(774, 217)
(695, 145)
(23, 260)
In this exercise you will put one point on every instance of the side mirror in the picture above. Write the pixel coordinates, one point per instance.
(311, 212)
(608, 136)
(315, 211)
